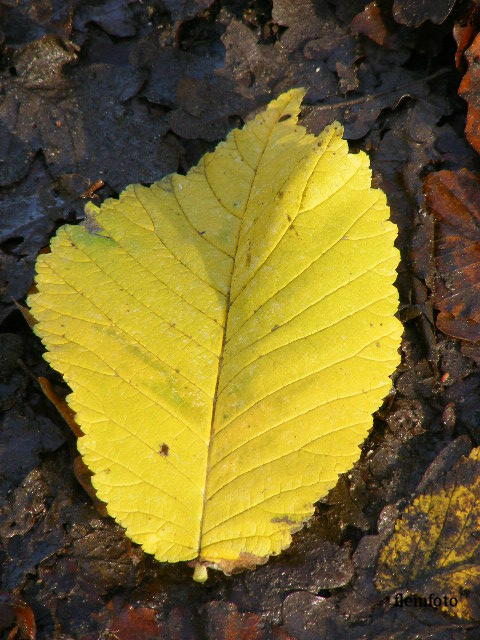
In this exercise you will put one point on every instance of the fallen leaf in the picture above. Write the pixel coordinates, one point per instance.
(17, 614)
(194, 116)
(181, 624)
(347, 80)
(469, 89)
(313, 564)
(64, 122)
(313, 50)
(30, 528)
(7, 613)
(113, 16)
(415, 12)
(84, 477)
(369, 22)
(26, 625)
(132, 623)
(464, 31)
(280, 633)
(24, 438)
(252, 348)
(453, 198)
(225, 622)
(40, 62)
(27, 21)
(166, 67)
(381, 87)
(309, 616)
(184, 9)
(61, 406)
(433, 555)
(27, 213)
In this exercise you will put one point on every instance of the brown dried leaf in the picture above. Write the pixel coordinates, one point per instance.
(132, 623)
(464, 31)
(18, 615)
(26, 625)
(84, 478)
(469, 89)
(60, 405)
(225, 622)
(369, 22)
(453, 198)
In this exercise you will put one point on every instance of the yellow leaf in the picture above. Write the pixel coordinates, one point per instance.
(434, 548)
(227, 335)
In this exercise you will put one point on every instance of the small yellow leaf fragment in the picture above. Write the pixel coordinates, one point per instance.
(434, 548)
(227, 336)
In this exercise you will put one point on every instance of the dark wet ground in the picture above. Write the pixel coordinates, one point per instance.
(126, 91)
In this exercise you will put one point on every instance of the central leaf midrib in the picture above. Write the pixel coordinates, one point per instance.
(227, 310)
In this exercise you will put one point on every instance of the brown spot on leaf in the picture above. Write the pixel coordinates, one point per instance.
(164, 449)
(91, 225)
(284, 519)
(248, 257)
(287, 116)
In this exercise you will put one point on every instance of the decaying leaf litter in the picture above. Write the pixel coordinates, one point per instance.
(74, 569)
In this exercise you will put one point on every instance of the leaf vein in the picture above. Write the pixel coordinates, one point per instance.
(285, 455)
(172, 253)
(129, 383)
(202, 236)
(327, 295)
(322, 255)
(143, 266)
(119, 328)
(313, 373)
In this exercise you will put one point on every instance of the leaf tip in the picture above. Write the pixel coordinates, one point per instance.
(288, 104)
